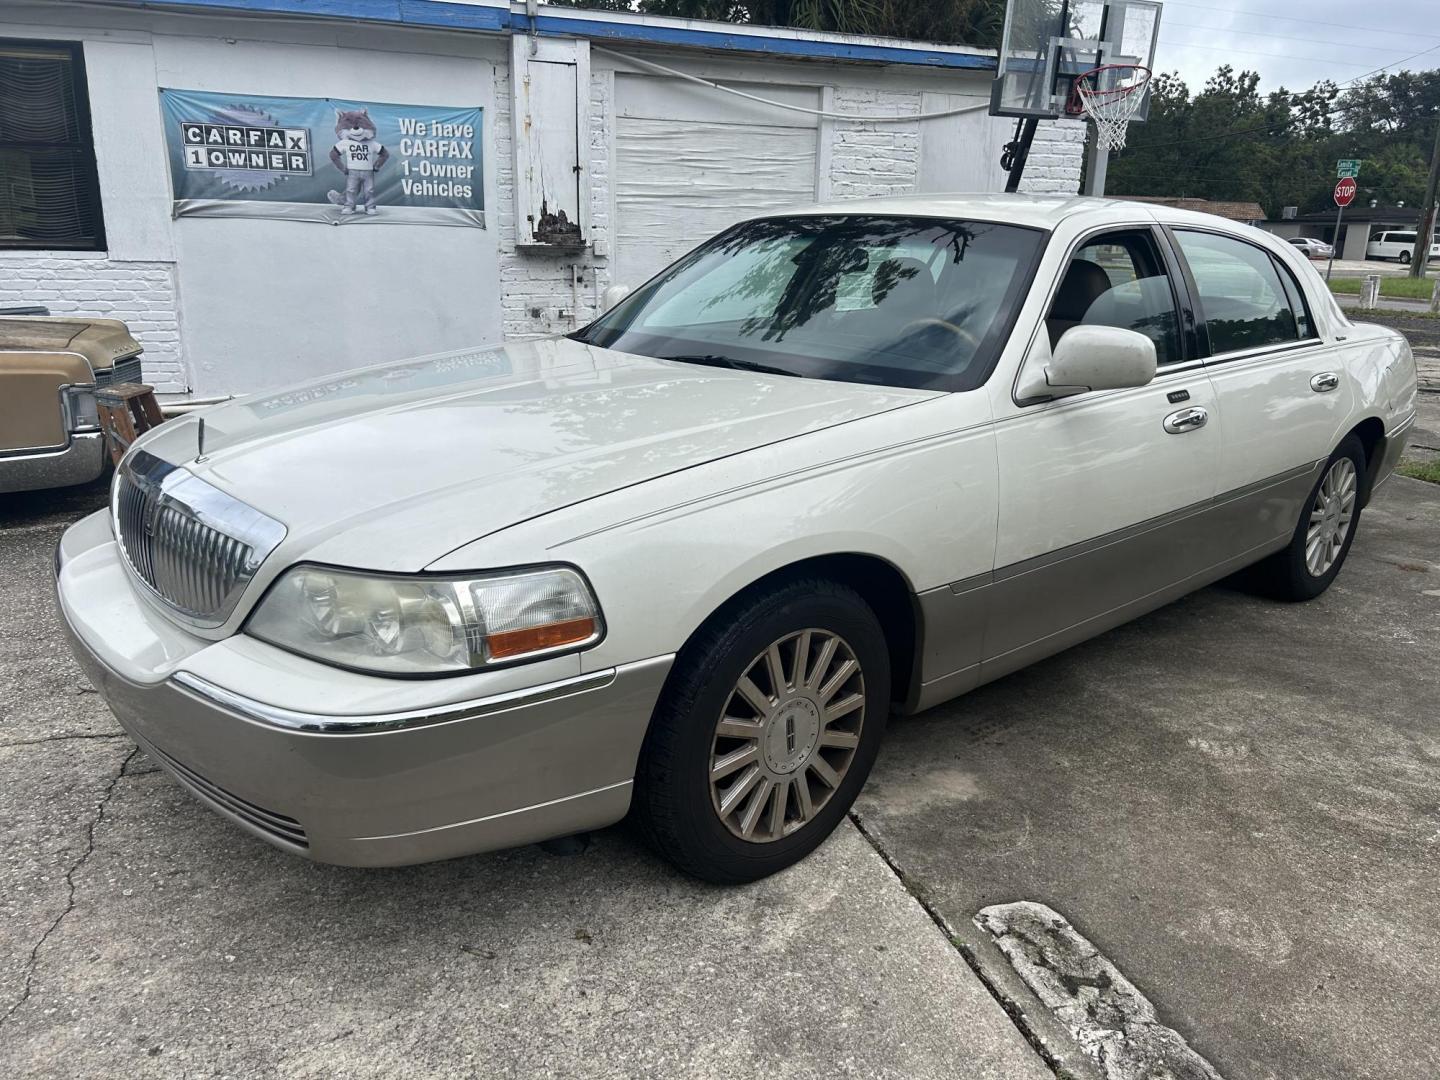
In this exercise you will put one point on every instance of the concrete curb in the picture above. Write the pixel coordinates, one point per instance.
(1115, 1024)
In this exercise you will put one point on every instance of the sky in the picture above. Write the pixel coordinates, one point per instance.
(1296, 43)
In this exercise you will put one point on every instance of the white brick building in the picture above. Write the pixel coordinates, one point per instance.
(230, 305)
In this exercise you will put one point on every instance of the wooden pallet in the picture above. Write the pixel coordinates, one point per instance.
(126, 411)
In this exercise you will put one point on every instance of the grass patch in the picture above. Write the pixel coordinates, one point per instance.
(1401, 288)
(1429, 471)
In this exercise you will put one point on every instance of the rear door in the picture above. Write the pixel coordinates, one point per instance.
(1283, 391)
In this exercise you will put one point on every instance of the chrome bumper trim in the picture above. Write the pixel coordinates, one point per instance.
(276, 716)
(83, 459)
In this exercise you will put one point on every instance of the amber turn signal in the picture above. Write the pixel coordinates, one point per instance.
(536, 639)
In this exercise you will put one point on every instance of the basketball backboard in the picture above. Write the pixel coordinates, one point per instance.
(1047, 43)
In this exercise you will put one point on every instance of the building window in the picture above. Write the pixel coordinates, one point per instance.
(49, 193)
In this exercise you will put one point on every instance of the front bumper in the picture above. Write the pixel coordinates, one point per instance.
(81, 461)
(377, 789)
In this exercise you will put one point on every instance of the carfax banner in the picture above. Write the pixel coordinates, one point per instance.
(323, 159)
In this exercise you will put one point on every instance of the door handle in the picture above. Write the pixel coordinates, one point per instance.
(1177, 423)
(1324, 382)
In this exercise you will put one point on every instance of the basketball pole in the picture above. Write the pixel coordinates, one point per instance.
(1097, 161)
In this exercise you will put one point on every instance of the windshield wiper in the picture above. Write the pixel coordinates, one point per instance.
(715, 360)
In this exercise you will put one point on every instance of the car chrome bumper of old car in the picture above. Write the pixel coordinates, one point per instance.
(367, 788)
(81, 460)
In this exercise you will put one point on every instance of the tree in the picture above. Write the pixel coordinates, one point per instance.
(1230, 142)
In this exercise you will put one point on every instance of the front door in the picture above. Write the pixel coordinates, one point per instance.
(1099, 491)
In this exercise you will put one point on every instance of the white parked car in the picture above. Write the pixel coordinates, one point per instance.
(683, 563)
(1397, 245)
(1311, 248)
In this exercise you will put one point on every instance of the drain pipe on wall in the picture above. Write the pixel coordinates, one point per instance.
(574, 296)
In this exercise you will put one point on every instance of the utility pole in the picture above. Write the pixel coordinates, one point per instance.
(1423, 236)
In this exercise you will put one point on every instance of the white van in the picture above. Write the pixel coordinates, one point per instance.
(1396, 245)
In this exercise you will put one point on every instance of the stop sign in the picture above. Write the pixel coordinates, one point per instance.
(1345, 191)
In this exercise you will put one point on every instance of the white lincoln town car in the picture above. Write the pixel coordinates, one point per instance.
(682, 564)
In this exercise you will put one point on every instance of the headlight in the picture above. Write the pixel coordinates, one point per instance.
(427, 625)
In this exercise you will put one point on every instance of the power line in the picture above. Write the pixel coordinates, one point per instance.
(1283, 37)
(1423, 52)
(1257, 52)
(1308, 22)
(1213, 138)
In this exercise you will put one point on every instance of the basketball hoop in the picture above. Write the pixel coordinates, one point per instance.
(1109, 95)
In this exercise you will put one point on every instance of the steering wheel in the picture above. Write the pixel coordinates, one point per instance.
(959, 331)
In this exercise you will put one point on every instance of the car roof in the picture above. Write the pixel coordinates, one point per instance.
(1036, 211)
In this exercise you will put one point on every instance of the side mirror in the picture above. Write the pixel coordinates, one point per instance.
(612, 296)
(1099, 358)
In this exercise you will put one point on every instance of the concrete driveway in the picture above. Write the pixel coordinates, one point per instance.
(1239, 801)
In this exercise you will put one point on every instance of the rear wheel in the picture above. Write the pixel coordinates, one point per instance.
(1325, 531)
(1405, 257)
(765, 733)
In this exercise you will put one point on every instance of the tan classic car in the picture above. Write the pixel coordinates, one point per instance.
(50, 369)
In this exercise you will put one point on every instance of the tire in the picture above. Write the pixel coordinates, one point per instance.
(1405, 257)
(1292, 574)
(692, 820)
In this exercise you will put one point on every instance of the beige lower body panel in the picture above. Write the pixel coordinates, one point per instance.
(983, 628)
(409, 795)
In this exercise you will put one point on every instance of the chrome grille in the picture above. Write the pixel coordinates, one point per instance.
(189, 543)
(124, 371)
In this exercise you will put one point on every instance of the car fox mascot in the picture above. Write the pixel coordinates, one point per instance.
(359, 155)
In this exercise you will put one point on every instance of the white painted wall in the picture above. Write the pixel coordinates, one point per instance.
(1056, 157)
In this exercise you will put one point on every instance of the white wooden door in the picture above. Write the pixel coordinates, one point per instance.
(961, 153)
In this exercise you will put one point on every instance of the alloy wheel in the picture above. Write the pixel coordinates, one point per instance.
(787, 735)
(1330, 517)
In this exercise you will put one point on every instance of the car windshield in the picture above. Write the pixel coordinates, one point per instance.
(914, 302)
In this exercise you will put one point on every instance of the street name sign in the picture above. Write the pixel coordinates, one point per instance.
(1347, 167)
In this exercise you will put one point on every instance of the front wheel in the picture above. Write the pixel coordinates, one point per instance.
(1325, 531)
(765, 733)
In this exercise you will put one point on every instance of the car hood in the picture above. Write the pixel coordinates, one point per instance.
(392, 467)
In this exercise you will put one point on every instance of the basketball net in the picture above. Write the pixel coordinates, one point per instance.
(1109, 95)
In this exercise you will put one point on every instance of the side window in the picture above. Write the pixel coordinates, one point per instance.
(1119, 279)
(1304, 324)
(1244, 304)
